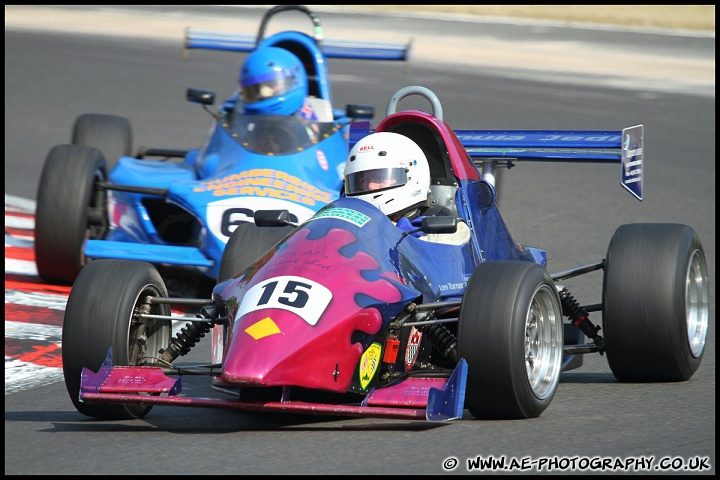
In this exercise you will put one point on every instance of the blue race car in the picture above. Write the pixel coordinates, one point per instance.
(177, 209)
(350, 315)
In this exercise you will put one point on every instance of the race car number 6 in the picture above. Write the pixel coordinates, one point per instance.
(306, 298)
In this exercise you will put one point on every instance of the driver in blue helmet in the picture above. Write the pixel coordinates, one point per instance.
(273, 81)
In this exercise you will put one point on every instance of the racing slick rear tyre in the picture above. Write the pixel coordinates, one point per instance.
(69, 209)
(510, 332)
(655, 302)
(99, 316)
(246, 244)
(110, 134)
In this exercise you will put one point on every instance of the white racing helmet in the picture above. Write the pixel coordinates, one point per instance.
(388, 170)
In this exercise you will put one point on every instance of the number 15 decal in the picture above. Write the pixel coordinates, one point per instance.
(299, 295)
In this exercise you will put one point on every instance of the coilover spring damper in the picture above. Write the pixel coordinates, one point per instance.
(580, 318)
(185, 339)
(443, 339)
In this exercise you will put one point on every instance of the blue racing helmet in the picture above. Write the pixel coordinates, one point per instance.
(272, 80)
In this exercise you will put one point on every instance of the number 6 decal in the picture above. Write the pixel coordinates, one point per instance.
(299, 295)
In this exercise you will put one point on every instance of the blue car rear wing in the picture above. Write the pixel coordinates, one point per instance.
(237, 42)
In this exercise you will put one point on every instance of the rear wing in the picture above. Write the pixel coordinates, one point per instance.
(234, 42)
(311, 49)
(237, 42)
(491, 148)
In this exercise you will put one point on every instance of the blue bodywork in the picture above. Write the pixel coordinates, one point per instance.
(182, 210)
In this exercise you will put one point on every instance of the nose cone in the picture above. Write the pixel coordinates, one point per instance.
(298, 320)
(276, 348)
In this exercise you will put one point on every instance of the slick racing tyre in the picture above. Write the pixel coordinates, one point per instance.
(655, 302)
(100, 316)
(510, 332)
(246, 244)
(69, 209)
(110, 134)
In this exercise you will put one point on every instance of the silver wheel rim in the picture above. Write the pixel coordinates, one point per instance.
(543, 342)
(146, 337)
(697, 293)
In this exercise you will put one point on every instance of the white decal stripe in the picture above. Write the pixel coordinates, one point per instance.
(23, 204)
(46, 300)
(33, 331)
(27, 238)
(19, 222)
(20, 267)
(21, 375)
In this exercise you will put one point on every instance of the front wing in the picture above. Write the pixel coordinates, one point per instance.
(429, 398)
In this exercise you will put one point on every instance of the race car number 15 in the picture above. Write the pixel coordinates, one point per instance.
(306, 298)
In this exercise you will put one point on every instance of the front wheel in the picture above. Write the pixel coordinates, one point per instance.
(110, 134)
(102, 313)
(510, 332)
(655, 302)
(69, 209)
(246, 244)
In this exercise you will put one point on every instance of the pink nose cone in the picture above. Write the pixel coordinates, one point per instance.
(275, 347)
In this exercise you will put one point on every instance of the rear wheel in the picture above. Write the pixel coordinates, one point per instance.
(100, 315)
(110, 134)
(69, 209)
(655, 302)
(510, 332)
(246, 244)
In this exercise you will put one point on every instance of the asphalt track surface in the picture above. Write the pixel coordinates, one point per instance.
(570, 211)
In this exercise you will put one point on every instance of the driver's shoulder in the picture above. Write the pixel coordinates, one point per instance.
(460, 237)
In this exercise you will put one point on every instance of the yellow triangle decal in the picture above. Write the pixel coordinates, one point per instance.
(263, 328)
